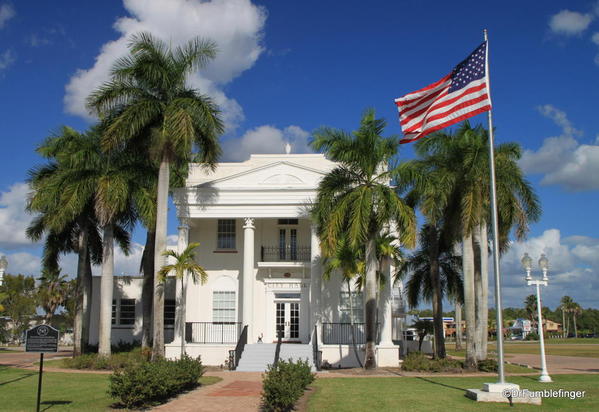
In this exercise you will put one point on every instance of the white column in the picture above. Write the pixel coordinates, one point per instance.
(248, 276)
(180, 287)
(315, 285)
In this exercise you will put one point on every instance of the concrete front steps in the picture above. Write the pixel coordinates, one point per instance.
(257, 356)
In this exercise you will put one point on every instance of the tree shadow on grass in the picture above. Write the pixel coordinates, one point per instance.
(440, 384)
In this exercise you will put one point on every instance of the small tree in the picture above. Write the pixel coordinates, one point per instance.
(423, 328)
(19, 303)
(52, 292)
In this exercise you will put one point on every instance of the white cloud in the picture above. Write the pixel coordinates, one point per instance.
(573, 269)
(266, 140)
(235, 25)
(7, 12)
(7, 58)
(569, 22)
(13, 217)
(562, 159)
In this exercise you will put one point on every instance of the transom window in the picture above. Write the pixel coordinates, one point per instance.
(288, 221)
(226, 234)
(123, 312)
(223, 306)
(357, 306)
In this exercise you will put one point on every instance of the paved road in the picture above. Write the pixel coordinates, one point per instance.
(557, 364)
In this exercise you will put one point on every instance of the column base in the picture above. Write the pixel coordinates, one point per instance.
(387, 355)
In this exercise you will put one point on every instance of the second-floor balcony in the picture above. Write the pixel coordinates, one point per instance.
(289, 253)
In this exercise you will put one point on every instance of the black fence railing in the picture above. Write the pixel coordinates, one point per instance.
(285, 254)
(315, 352)
(341, 333)
(212, 332)
(235, 355)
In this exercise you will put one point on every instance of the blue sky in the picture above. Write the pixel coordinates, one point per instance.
(286, 68)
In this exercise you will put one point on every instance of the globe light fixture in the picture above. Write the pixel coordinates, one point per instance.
(544, 266)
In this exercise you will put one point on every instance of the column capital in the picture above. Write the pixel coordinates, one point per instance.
(249, 223)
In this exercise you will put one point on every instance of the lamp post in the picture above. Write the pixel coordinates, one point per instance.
(3, 266)
(544, 266)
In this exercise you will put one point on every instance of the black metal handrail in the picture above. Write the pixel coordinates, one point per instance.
(315, 349)
(235, 355)
(341, 333)
(285, 254)
(212, 332)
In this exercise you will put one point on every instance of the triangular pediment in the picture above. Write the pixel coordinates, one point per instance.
(282, 174)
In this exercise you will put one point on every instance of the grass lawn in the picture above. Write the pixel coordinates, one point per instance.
(585, 350)
(440, 394)
(61, 391)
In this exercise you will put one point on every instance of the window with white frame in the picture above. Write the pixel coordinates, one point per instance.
(357, 307)
(223, 306)
(226, 234)
(123, 312)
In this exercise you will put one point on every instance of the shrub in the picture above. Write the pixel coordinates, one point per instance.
(532, 336)
(115, 361)
(487, 365)
(149, 383)
(418, 361)
(284, 383)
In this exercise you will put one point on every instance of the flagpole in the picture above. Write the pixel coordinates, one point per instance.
(498, 308)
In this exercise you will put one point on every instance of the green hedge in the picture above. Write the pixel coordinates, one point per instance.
(113, 362)
(418, 361)
(284, 383)
(149, 383)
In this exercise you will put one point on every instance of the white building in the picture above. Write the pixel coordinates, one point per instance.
(261, 252)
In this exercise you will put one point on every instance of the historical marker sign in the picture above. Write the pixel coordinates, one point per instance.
(42, 338)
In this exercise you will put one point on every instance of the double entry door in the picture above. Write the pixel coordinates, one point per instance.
(287, 320)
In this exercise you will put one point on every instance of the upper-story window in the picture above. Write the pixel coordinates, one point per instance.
(226, 234)
(288, 221)
(123, 312)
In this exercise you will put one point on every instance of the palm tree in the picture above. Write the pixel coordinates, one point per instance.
(423, 328)
(148, 99)
(576, 310)
(565, 304)
(428, 285)
(463, 156)
(52, 292)
(530, 306)
(355, 201)
(184, 264)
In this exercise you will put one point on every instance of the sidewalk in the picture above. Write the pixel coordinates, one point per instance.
(557, 364)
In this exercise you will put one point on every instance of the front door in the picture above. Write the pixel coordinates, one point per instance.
(287, 318)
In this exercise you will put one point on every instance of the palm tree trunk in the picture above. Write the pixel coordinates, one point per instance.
(78, 345)
(437, 293)
(351, 323)
(458, 325)
(87, 293)
(469, 303)
(160, 247)
(563, 323)
(147, 293)
(370, 304)
(106, 290)
(482, 307)
(574, 320)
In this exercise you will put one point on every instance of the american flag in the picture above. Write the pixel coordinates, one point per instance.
(459, 95)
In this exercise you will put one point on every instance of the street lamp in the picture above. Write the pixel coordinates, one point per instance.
(3, 266)
(544, 266)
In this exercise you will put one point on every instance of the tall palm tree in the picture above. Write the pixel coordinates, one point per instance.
(565, 304)
(355, 201)
(52, 292)
(576, 310)
(184, 265)
(463, 155)
(428, 285)
(530, 306)
(148, 99)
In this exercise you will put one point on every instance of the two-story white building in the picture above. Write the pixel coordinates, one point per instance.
(260, 250)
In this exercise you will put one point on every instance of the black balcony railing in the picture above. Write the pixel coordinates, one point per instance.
(211, 332)
(285, 254)
(341, 333)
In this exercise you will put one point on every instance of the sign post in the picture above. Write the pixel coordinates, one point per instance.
(41, 338)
